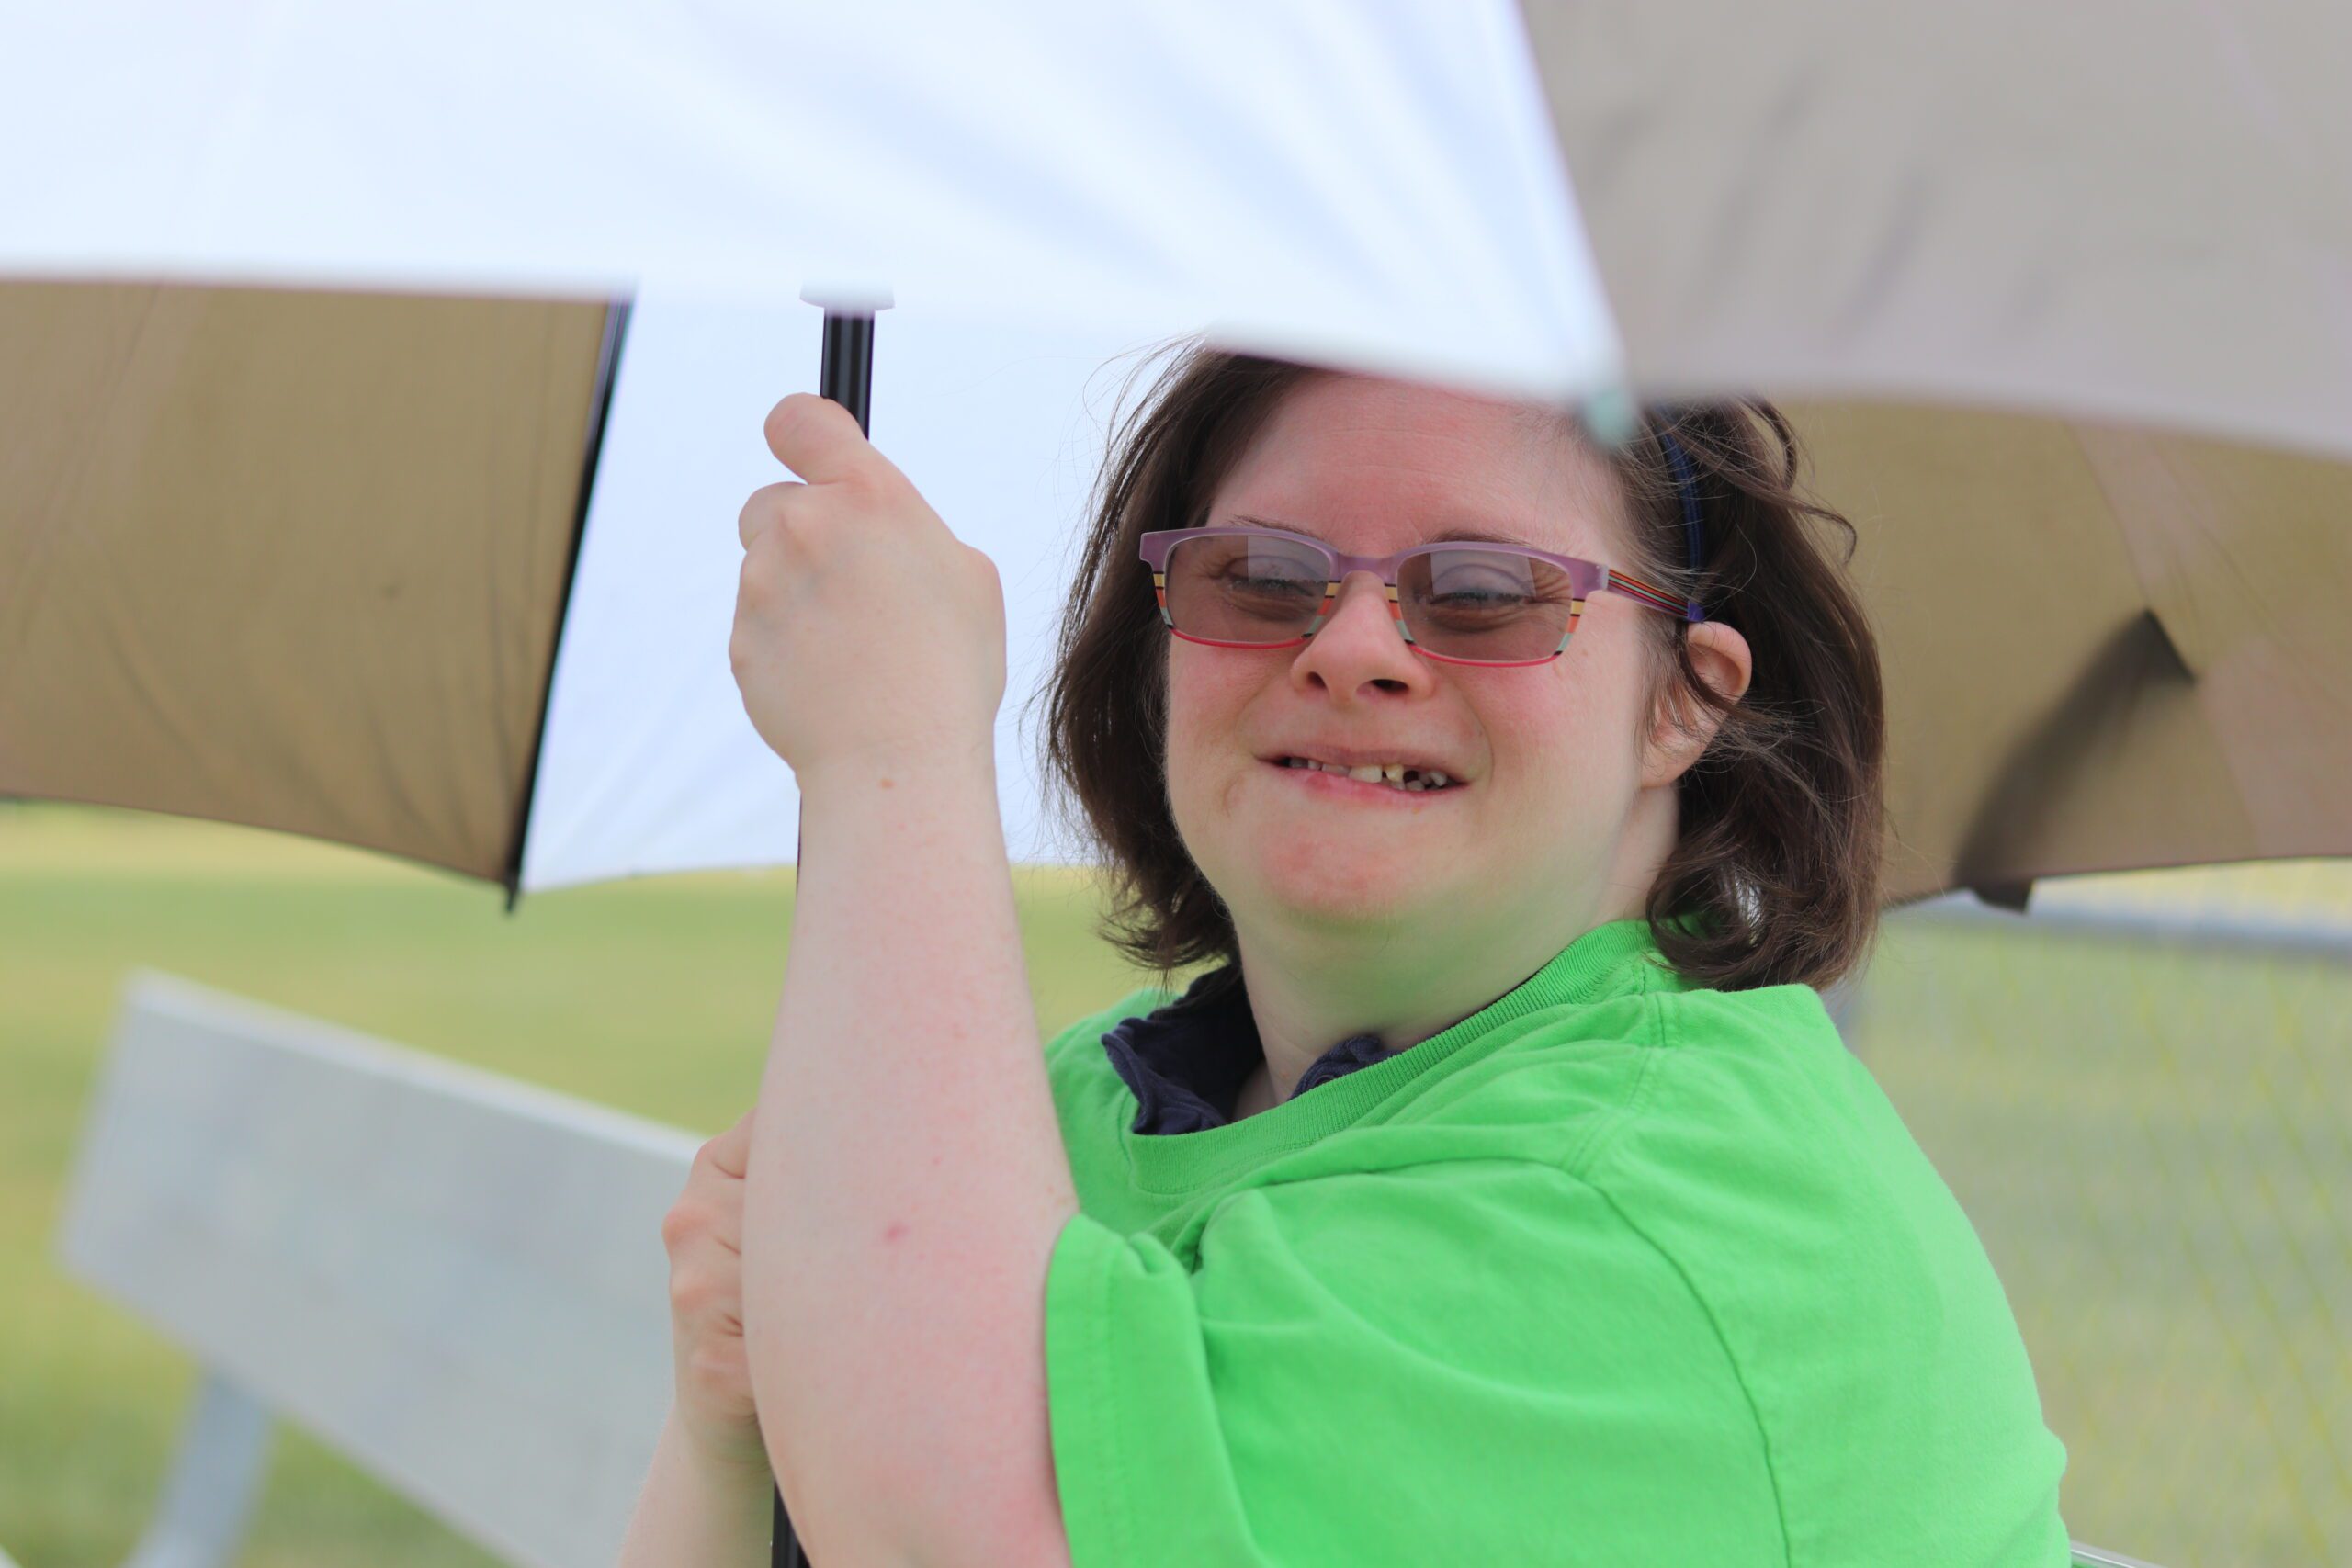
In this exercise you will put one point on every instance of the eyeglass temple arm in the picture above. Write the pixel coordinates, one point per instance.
(1613, 580)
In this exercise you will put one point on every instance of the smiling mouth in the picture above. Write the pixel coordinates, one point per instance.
(1396, 778)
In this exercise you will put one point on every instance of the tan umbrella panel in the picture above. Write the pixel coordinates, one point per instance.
(292, 559)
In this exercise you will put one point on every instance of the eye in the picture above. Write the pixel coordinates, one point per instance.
(1471, 587)
(1263, 575)
(1280, 585)
(1242, 569)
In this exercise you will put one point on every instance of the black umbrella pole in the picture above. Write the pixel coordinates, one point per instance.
(846, 373)
(786, 1552)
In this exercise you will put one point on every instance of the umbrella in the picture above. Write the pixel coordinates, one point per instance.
(2064, 327)
(238, 511)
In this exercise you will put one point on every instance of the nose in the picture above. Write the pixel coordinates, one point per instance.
(1361, 645)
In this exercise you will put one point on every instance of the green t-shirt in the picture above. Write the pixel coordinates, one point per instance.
(1613, 1271)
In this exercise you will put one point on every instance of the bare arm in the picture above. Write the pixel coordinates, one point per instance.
(907, 1183)
(699, 1509)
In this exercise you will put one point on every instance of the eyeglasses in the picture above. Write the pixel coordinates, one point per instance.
(1460, 603)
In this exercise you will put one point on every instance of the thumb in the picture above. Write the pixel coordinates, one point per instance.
(819, 440)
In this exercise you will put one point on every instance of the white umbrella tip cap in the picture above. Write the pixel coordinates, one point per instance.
(847, 297)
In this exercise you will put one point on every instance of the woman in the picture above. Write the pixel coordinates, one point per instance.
(1503, 1194)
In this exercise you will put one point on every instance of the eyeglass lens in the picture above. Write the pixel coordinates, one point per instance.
(1460, 601)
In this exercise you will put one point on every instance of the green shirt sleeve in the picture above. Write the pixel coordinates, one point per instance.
(1469, 1361)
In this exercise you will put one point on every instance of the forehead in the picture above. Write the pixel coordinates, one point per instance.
(1376, 466)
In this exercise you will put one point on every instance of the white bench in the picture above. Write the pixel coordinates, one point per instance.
(456, 1279)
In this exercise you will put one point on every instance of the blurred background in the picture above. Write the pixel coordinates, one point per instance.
(2140, 1096)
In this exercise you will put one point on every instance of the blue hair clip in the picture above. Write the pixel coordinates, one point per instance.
(1694, 532)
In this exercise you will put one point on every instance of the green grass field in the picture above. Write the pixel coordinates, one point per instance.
(2153, 1147)
(2156, 1145)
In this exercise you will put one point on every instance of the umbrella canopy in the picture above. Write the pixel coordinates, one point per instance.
(2071, 343)
(2063, 301)
(292, 559)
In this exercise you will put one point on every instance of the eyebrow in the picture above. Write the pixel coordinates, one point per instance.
(1479, 535)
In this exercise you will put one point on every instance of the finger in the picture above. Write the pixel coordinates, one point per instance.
(766, 506)
(726, 1266)
(819, 439)
(707, 1289)
(731, 1150)
(718, 1289)
(723, 1224)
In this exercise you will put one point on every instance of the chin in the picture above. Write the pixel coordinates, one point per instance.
(1351, 887)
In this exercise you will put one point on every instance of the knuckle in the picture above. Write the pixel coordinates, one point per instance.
(756, 585)
(684, 1222)
(690, 1291)
(810, 530)
(768, 507)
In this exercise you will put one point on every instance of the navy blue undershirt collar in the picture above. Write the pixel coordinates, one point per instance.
(1187, 1061)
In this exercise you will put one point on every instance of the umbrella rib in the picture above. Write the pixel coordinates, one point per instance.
(608, 357)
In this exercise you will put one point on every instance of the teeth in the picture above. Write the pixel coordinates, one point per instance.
(1390, 773)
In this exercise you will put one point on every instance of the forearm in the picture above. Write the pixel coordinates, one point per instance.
(907, 1183)
(698, 1510)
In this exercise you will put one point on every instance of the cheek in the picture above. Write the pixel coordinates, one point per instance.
(1206, 697)
(1571, 741)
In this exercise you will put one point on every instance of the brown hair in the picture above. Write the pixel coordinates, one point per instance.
(1774, 877)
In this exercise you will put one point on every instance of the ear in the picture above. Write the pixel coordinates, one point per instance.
(1681, 728)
